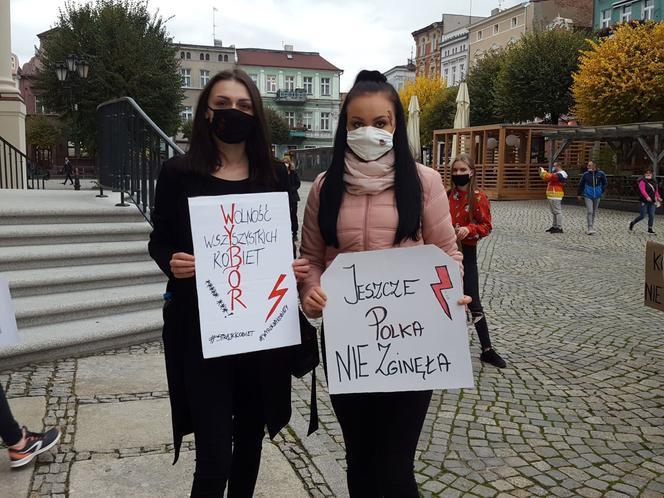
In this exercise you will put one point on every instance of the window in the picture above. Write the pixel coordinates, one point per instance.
(271, 83)
(606, 18)
(39, 105)
(648, 9)
(187, 113)
(205, 77)
(226, 58)
(188, 55)
(495, 29)
(309, 85)
(290, 83)
(207, 57)
(479, 35)
(453, 76)
(185, 76)
(514, 22)
(325, 87)
(626, 13)
(462, 67)
(447, 71)
(290, 118)
(325, 121)
(181, 55)
(220, 58)
(202, 56)
(306, 120)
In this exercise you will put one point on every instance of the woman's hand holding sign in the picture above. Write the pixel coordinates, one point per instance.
(182, 265)
(314, 302)
(301, 269)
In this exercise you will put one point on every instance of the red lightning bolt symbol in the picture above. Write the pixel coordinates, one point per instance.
(278, 293)
(438, 288)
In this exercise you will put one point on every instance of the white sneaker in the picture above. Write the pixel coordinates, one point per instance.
(590, 231)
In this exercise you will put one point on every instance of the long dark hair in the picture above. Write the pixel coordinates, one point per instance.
(203, 153)
(407, 185)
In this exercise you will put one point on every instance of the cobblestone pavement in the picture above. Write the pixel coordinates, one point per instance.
(578, 412)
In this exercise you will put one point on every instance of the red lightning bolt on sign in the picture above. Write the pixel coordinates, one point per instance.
(438, 288)
(278, 293)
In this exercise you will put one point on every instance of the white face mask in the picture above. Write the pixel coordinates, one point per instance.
(369, 143)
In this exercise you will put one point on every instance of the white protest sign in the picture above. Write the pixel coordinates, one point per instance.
(8, 331)
(247, 296)
(392, 322)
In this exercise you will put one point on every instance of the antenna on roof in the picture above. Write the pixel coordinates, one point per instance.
(214, 25)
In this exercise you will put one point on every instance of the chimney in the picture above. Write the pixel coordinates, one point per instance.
(288, 48)
(495, 12)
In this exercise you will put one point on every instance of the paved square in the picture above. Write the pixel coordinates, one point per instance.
(116, 374)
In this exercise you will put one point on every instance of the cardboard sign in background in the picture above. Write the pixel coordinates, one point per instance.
(8, 331)
(392, 322)
(247, 296)
(654, 285)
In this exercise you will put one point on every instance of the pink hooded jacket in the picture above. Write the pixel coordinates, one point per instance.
(369, 223)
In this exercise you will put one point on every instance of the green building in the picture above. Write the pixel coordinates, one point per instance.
(303, 87)
(611, 12)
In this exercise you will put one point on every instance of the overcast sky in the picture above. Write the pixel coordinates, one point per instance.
(351, 34)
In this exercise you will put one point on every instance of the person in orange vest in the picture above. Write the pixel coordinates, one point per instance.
(555, 191)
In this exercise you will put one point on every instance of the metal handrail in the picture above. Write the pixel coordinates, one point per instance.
(15, 168)
(130, 150)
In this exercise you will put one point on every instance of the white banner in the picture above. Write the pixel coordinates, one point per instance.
(8, 331)
(247, 296)
(392, 322)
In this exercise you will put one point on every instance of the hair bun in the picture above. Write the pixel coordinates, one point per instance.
(366, 75)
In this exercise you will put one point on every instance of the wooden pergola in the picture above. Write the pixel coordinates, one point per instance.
(507, 157)
(649, 136)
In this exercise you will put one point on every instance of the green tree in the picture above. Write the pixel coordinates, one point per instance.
(42, 132)
(130, 54)
(186, 128)
(536, 78)
(438, 115)
(481, 80)
(621, 77)
(278, 126)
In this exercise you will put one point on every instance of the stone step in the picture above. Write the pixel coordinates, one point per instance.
(38, 207)
(72, 233)
(62, 340)
(77, 278)
(71, 306)
(61, 255)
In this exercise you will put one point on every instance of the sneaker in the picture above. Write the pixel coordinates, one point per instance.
(36, 443)
(590, 231)
(557, 230)
(491, 357)
(631, 226)
(650, 230)
(550, 229)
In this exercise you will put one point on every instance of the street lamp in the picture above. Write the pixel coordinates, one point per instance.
(75, 65)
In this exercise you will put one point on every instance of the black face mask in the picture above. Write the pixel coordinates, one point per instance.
(232, 126)
(460, 180)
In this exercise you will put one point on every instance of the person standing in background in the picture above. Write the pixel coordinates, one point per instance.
(555, 191)
(293, 197)
(591, 189)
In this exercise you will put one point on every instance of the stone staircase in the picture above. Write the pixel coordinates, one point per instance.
(79, 273)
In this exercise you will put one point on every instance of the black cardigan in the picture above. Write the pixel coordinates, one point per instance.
(172, 233)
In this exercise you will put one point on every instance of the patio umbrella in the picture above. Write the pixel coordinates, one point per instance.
(462, 116)
(413, 129)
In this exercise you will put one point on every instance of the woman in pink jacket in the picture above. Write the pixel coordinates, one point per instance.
(374, 196)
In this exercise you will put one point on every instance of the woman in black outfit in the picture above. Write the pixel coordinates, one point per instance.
(226, 402)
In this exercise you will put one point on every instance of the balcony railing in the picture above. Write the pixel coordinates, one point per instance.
(297, 96)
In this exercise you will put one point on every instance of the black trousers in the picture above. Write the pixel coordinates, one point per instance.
(68, 177)
(294, 220)
(471, 287)
(381, 431)
(10, 432)
(227, 411)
